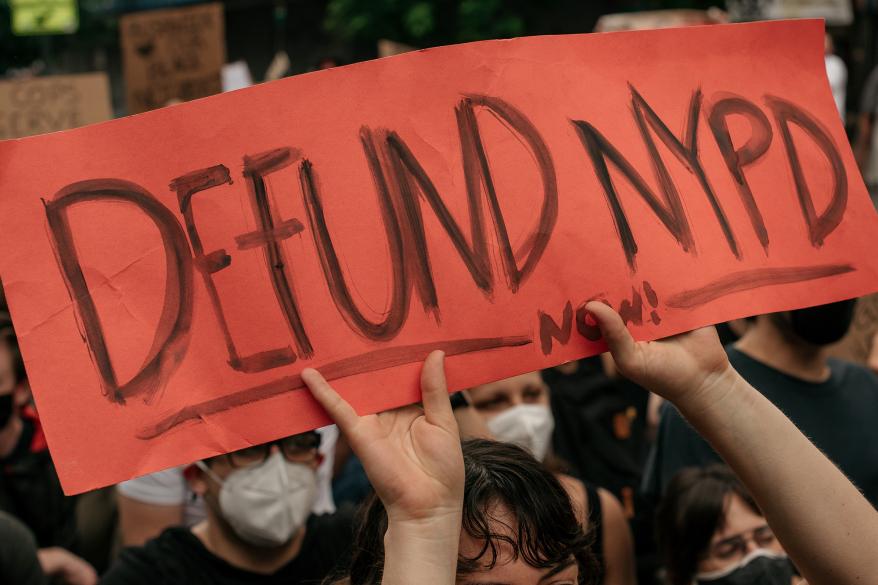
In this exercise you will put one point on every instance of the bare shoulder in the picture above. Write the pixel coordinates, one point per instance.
(611, 507)
(578, 496)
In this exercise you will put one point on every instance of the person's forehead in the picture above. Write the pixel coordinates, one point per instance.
(314, 435)
(739, 517)
(508, 569)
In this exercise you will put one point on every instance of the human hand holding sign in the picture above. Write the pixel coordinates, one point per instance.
(413, 458)
(810, 505)
(684, 368)
(412, 455)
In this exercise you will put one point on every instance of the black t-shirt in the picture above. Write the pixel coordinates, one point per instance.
(30, 490)
(599, 425)
(18, 554)
(840, 416)
(178, 557)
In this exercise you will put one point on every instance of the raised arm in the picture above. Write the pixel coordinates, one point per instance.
(825, 525)
(413, 459)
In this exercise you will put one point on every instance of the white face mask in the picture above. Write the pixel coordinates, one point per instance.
(529, 426)
(267, 504)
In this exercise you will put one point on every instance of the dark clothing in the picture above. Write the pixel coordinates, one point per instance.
(839, 416)
(600, 432)
(18, 554)
(600, 427)
(30, 489)
(177, 557)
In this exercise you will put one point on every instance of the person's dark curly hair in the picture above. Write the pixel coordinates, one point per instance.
(502, 480)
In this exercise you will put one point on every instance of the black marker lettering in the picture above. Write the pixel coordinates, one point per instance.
(669, 210)
(409, 179)
(338, 288)
(171, 338)
(819, 226)
(751, 151)
(186, 187)
(550, 330)
(478, 174)
(255, 169)
(686, 153)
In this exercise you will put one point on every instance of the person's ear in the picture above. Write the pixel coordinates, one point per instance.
(197, 479)
(318, 460)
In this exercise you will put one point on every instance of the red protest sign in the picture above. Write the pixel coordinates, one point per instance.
(170, 274)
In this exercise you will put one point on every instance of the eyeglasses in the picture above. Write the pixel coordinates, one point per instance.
(736, 546)
(300, 448)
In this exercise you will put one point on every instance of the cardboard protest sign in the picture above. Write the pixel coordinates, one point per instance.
(172, 55)
(170, 274)
(48, 104)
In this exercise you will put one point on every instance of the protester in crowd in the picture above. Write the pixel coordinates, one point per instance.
(517, 519)
(833, 402)
(601, 425)
(603, 431)
(19, 564)
(858, 345)
(517, 516)
(415, 463)
(29, 487)
(153, 502)
(516, 410)
(711, 532)
(258, 529)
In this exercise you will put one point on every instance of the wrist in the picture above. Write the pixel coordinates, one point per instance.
(714, 394)
(425, 549)
(438, 522)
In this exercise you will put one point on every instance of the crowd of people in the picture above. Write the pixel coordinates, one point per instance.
(678, 461)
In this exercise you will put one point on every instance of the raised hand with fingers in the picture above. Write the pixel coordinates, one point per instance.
(809, 504)
(676, 368)
(413, 458)
(412, 455)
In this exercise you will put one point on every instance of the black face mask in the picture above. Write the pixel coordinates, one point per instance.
(759, 568)
(5, 409)
(823, 324)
